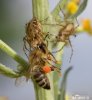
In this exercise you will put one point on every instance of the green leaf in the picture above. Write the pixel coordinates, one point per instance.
(62, 91)
(81, 8)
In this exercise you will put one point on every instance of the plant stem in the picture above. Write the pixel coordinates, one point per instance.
(7, 71)
(56, 76)
(40, 11)
(4, 47)
(58, 8)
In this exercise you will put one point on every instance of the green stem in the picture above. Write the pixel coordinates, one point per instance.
(4, 47)
(56, 76)
(41, 11)
(7, 71)
(58, 8)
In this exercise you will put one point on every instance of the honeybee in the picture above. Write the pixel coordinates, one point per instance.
(37, 57)
(38, 74)
(40, 78)
(38, 68)
(49, 56)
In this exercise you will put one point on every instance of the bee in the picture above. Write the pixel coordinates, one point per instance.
(38, 68)
(41, 79)
(42, 56)
(38, 74)
(37, 57)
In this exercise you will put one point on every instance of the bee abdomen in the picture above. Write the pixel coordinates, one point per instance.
(42, 80)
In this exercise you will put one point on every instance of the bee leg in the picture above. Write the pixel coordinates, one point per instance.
(47, 43)
(47, 35)
(46, 60)
(57, 69)
(40, 68)
(53, 59)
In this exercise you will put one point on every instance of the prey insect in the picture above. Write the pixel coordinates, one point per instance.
(40, 77)
(37, 57)
(39, 67)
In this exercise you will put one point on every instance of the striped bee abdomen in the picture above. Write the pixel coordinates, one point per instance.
(41, 79)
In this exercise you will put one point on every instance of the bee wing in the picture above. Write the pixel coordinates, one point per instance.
(20, 81)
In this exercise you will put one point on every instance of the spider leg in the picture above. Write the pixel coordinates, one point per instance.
(25, 47)
(77, 23)
(59, 49)
(71, 50)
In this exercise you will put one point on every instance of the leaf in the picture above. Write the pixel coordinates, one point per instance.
(62, 91)
(81, 8)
